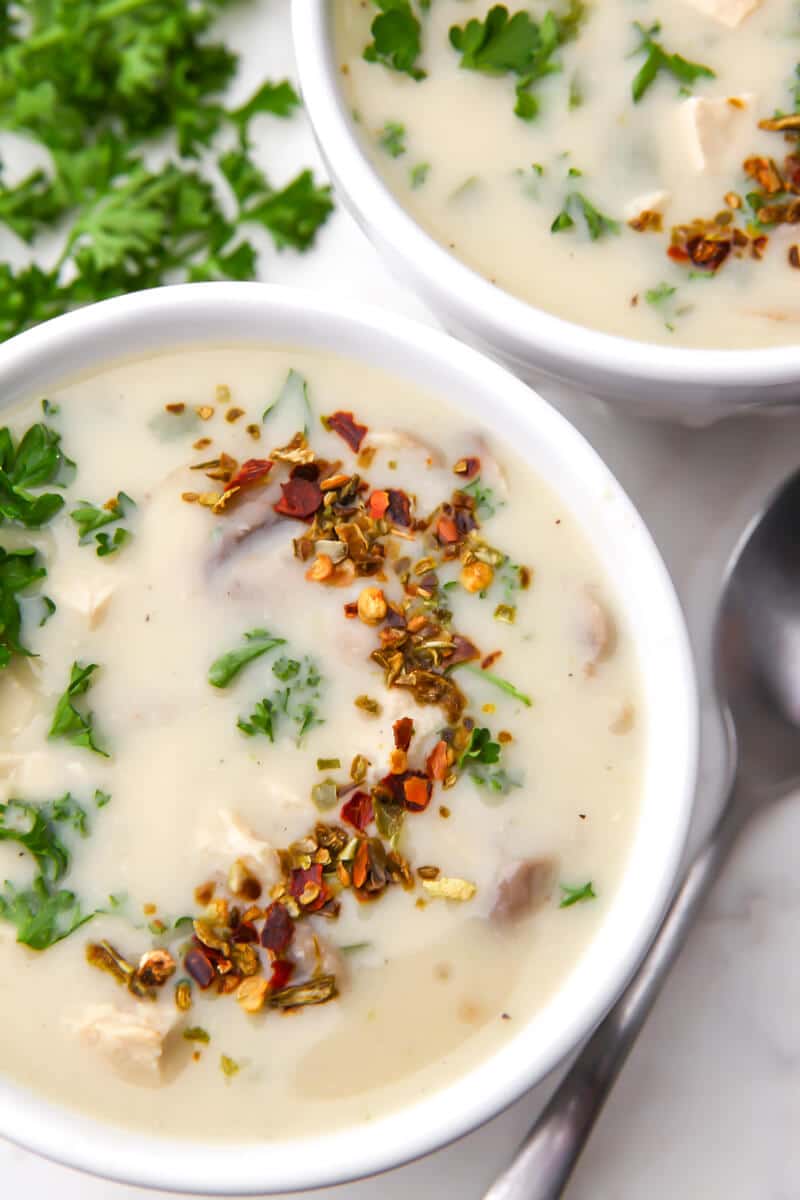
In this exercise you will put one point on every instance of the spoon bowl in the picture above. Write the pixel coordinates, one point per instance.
(757, 648)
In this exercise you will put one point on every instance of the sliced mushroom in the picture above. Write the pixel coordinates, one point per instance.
(253, 515)
(523, 886)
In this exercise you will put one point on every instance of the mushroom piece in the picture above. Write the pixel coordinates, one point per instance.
(132, 1040)
(523, 886)
(253, 515)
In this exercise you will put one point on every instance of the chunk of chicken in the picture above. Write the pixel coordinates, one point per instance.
(234, 839)
(523, 886)
(728, 12)
(715, 131)
(314, 955)
(256, 514)
(89, 598)
(131, 1039)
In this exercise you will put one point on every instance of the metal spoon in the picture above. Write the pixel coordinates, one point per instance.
(757, 676)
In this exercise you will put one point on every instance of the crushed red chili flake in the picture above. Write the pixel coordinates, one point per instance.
(281, 974)
(488, 662)
(358, 810)
(278, 929)
(437, 761)
(446, 530)
(199, 966)
(417, 791)
(345, 424)
(244, 933)
(251, 472)
(399, 509)
(403, 731)
(467, 467)
(378, 504)
(301, 498)
(351, 609)
(301, 877)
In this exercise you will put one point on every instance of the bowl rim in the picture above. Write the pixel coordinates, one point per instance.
(243, 313)
(531, 334)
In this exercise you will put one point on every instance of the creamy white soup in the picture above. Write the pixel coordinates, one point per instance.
(630, 165)
(321, 743)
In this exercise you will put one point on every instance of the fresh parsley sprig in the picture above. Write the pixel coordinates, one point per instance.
(396, 38)
(480, 759)
(19, 569)
(68, 721)
(520, 45)
(597, 223)
(658, 59)
(33, 462)
(298, 701)
(90, 519)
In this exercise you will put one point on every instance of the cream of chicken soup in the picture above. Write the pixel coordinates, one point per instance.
(321, 743)
(632, 167)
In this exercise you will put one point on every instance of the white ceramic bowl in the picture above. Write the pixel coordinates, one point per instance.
(241, 313)
(695, 386)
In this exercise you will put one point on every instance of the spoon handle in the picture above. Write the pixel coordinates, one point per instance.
(547, 1157)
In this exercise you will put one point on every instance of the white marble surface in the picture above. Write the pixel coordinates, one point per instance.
(708, 1105)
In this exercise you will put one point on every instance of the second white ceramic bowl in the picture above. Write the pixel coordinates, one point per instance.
(693, 386)
(247, 314)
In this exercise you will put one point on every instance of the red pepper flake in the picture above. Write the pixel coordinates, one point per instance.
(358, 810)
(399, 508)
(199, 966)
(281, 974)
(304, 880)
(488, 662)
(251, 471)
(437, 763)
(360, 865)
(351, 609)
(403, 731)
(417, 793)
(446, 530)
(677, 254)
(345, 424)
(378, 504)
(244, 933)
(278, 928)
(301, 498)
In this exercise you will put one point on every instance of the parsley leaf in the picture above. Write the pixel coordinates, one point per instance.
(297, 701)
(658, 60)
(93, 82)
(35, 461)
(576, 895)
(503, 44)
(486, 503)
(392, 139)
(18, 570)
(225, 668)
(397, 38)
(480, 748)
(418, 174)
(597, 223)
(294, 392)
(68, 722)
(89, 519)
(262, 720)
(661, 299)
(42, 913)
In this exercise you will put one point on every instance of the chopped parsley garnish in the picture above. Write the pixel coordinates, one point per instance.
(296, 702)
(42, 913)
(480, 755)
(95, 82)
(658, 60)
(498, 682)
(37, 460)
(597, 223)
(392, 139)
(661, 298)
(576, 895)
(418, 174)
(68, 721)
(293, 393)
(503, 44)
(225, 668)
(49, 609)
(18, 570)
(486, 502)
(89, 519)
(397, 38)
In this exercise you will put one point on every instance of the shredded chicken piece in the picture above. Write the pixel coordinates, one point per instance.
(234, 840)
(314, 955)
(400, 439)
(523, 886)
(131, 1039)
